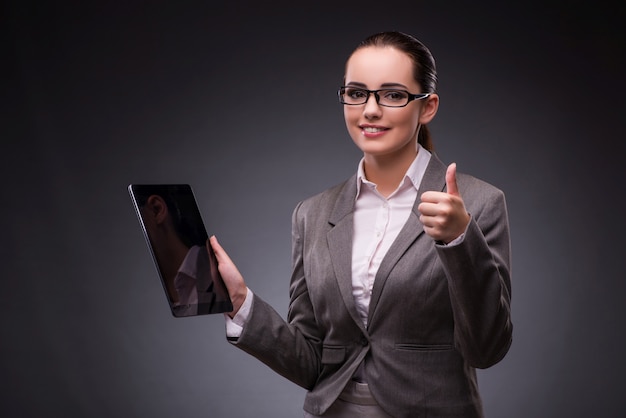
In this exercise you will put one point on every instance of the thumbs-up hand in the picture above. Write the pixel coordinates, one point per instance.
(443, 214)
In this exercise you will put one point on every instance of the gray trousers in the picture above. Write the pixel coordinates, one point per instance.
(356, 400)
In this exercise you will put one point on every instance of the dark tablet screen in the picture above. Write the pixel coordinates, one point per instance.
(178, 242)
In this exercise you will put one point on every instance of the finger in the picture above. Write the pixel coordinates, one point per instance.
(220, 254)
(431, 197)
(427, 209)
(451, 180)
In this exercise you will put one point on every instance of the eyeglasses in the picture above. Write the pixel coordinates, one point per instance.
(349, 95)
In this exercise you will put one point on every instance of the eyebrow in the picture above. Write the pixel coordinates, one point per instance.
(384, 85)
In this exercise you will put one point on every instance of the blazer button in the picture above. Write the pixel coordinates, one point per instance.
(364, 341)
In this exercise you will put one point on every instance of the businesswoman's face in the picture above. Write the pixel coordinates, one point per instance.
(378, 130)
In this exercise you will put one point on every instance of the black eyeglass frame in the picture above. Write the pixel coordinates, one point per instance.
(411, 97)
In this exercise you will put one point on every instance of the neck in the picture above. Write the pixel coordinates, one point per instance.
(387, 171)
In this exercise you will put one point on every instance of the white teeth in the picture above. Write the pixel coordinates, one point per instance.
(371, 129)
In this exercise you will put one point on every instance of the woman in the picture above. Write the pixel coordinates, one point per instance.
(401, 274)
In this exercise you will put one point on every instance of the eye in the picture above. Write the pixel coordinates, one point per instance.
(356, 94)
(394, 95)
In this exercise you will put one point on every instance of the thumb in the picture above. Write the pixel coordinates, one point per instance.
(220, 254)
(451, 180)
(216, 247)
(237, 289)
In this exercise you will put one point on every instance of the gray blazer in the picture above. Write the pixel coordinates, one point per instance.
(436, 313)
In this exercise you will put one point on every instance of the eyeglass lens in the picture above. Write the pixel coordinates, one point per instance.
(384, 97)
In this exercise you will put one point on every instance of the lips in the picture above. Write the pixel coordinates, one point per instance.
(372, 130)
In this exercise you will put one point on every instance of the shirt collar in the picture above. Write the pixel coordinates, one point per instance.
(414, 174)
(188, 266)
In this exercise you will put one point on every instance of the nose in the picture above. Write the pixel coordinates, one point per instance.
(371, 108)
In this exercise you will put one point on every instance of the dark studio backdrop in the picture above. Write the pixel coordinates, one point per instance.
(239, 100)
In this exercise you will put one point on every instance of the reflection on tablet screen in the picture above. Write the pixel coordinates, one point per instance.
(178, 242)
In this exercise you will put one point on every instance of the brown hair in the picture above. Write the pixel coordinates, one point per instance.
(424, 70)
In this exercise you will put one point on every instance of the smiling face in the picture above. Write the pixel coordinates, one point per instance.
(379, 131)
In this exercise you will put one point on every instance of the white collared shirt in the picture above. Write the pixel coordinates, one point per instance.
(377, 223)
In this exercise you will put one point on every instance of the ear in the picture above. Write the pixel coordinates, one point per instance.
(429, 109)
(157, 207)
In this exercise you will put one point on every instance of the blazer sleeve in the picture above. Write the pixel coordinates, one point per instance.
(478, 271)
(293, 348)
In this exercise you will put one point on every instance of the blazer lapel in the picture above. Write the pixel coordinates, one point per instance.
(339, 240)
(434, 179)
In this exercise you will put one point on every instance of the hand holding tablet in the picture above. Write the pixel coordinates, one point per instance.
(177, 240)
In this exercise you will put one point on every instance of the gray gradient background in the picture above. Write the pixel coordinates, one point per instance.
(239, 101)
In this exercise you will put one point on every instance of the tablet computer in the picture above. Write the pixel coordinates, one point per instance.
(178, 242)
